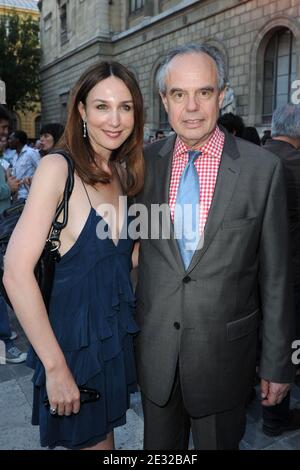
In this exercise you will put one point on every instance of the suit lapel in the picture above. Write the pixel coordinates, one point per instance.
(225, 185)
(163, 171)
(163, 178)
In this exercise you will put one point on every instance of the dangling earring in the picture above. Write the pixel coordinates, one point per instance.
(84, 130)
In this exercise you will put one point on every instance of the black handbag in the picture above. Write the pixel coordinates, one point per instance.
(45, 267)
(8, 220)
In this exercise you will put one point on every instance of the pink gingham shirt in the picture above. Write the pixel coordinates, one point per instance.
(207, 166)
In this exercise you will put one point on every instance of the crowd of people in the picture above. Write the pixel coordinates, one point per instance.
(18, 163)
(216, 301)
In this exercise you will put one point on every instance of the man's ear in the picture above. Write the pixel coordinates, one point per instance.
(221, 97)
(164, 100)
(81, 109)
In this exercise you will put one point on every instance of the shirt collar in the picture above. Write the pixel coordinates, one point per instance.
(24, 149)
(210, 149)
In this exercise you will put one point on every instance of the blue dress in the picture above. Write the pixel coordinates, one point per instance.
(91, 313)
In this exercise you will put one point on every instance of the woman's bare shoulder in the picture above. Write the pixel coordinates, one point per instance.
(54, 162)
(53, 167)
(50, 176)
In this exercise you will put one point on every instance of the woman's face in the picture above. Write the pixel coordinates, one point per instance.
(47, 142)
(3, 143)
(109, 115)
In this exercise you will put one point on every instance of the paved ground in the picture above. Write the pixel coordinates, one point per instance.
(16, 431)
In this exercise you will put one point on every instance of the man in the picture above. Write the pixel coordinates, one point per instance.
(286, 144)
(266, 136)
(199, 306)
(4, 121)
(8, 186)
(159, 134)
(24, 163)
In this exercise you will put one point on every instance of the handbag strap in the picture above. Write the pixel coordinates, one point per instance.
(63, 207)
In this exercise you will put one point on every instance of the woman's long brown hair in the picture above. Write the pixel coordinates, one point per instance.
(129, 154)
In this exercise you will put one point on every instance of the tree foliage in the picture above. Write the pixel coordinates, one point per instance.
(19, 61)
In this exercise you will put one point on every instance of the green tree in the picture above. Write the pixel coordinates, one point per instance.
(19, 61)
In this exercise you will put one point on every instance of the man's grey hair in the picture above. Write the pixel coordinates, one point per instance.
(203, 48)
(286, 121)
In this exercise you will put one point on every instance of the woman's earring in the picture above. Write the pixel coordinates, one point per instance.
(84, 130)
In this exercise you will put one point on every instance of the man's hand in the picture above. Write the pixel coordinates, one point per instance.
(272, 393)
(27, 181)
(13, 183)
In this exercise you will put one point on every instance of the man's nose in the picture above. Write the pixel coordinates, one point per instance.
(192, 103)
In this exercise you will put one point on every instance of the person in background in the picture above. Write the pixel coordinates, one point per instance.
(159, 134)
(24, 163)
(266, 136)
(4, 121)
(8, 186)
(49, 136)
(285, 143)
(37, 145)
(233, 123)
(250, 133)
(3, 143)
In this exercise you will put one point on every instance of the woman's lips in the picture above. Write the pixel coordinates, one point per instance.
(113, 134)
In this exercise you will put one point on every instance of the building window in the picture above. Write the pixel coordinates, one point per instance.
(63, 23)
(63, 98)
(135, 5)
(279, 72)
(48, 21)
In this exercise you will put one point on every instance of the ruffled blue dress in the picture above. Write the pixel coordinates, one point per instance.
(91, 313)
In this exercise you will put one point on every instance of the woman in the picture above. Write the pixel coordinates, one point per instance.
(49, 136)
(87, 338)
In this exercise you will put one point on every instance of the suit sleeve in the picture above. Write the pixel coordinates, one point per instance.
(276, 286)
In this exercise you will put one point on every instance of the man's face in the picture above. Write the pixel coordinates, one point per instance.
(4, 124)
(3, 142)
(160, 135)
(192, 98)
(12, 141)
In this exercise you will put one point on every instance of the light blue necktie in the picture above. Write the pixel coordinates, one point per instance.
(186, 216)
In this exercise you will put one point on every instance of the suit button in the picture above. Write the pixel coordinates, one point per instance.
(177, 325)
(186, 279)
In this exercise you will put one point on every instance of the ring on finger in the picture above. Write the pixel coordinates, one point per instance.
(53, 411)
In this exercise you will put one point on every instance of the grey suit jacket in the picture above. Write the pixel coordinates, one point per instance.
(205, 320)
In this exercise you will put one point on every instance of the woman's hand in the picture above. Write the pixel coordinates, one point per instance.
(63, 393)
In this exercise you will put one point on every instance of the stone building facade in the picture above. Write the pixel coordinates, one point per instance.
(260, 40)
(28, 121)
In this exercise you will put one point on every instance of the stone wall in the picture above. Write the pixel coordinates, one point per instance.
(239, 28)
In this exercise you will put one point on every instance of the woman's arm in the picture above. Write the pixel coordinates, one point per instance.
(24, 249)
